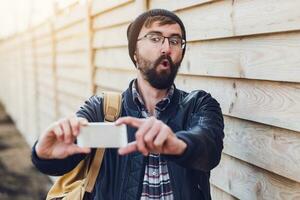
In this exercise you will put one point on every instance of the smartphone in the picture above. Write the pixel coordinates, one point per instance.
(102, 135)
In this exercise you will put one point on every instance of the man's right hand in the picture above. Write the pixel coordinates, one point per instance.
(57, 142)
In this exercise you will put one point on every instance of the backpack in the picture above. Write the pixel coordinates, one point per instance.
(81, 180)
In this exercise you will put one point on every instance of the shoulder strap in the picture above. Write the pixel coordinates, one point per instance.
(111, 109)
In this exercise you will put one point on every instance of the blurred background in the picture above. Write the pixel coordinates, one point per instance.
(246, 53)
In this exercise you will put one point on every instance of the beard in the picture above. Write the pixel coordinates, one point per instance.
(159, 79)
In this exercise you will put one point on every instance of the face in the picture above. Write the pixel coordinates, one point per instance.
(158, 62)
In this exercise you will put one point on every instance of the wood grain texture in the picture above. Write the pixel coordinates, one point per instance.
(120, 15)
(176, 4)
(274, 149)
(70, 16)
(106, 5)
(110, 37)
(74, 59)
(272, 57)
(245, 181)
(272, 103)
(236, 18)
(218, 194)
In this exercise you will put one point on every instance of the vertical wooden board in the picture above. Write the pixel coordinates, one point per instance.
(111, 37)
(119, 15)
(104, 5)
(255, 16)
(273, 149)
(176, 4)
(273, 103)
(273, 57)
(218, 194)
(249, 183)
(107, 58)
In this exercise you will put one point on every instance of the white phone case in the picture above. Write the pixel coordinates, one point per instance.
(102, 135)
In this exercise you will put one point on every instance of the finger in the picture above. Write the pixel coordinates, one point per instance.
(58, 132)
(131, 121)
(131, 147)
(74, 123)
(151, 134)
(140, 134)
(161, 138)
(74, 149)
(83, 121)
(66, 127)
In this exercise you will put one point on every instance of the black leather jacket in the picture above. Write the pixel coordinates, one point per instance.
(195, 117)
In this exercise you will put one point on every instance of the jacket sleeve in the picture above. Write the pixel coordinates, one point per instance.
(92, 111)
(204, 137)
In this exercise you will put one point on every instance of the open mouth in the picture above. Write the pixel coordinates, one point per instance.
(165, 63)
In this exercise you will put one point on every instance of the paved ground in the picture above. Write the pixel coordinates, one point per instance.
(19, 180)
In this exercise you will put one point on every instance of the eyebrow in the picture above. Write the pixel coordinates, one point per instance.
(160, 33)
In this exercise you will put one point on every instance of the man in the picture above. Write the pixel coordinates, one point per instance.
(175, 137)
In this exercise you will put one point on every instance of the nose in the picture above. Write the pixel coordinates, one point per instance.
(165, 47)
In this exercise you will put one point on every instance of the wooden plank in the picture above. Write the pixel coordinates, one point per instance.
(76, 74)
(72, 44)
(73, 88)
(111, 37)
(71, 101)
(108, 78)
(248, 182)
(42, 41)
(273, 103)
(46, 90)
(218, 194)
(43, 61)
(107, 58)
(104, 5)
(74, 59)
(70, 16)
(74, 30)
(236, 18)
(274, 149)
(253, 16)
(272, 57)
(42, 30)
(176, 4)
(44, 50)
(119, 15)
(208, 21)
(65, 111)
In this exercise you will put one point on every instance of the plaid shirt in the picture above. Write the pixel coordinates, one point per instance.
(156, 183)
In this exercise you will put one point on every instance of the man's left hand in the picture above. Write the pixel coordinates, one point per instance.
(152, 136)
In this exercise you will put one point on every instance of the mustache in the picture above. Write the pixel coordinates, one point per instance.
(161, 58)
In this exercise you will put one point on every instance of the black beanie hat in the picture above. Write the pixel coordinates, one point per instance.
(135, 27)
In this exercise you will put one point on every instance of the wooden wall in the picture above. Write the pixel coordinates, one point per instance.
(244, 52)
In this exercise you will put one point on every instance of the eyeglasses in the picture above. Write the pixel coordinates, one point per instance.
(157, 39)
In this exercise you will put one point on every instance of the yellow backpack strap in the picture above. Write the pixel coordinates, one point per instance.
(111, 106)
(112, 102)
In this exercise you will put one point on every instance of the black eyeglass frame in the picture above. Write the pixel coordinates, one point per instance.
(183, 42)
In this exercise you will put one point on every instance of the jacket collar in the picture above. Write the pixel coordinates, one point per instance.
(133, 110)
